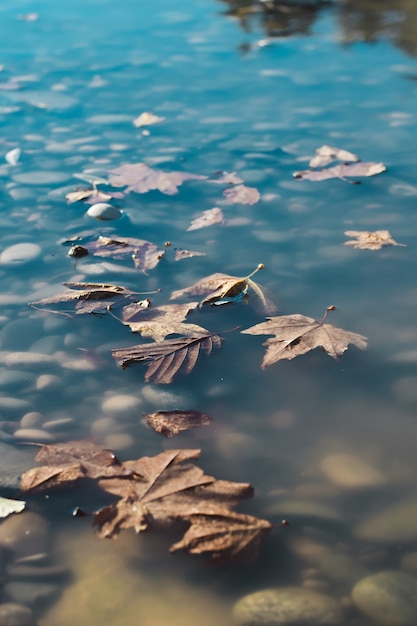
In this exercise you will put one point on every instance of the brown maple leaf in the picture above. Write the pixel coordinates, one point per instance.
(144, 254)
(298, 334)
(169, 489)
(88, 297)
(159, 322)
(64, 463)
(242, 194)
(365, 240)
(142, 178)
(170, 423)
(165, 359)
(181, 254)
(92, 195)
(231, 537)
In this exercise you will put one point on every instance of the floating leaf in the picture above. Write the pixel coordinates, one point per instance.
(181, 254)
(365, 240)
(225, 178)
(327, 154)
(142, 178)
(221, 288)
(297, 334)
(8, 506)
(12, 157)
(159, 322)
(65, 463)
(170, 423)
(165, 359)
(207, 218)
(342, 171)
(92, 195)
(147, 119)
(88, 296)
(242, 194)
(145, 255)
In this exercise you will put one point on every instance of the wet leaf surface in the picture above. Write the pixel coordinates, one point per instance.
(88, 297)
(327, 154)
(207, 218)
(158, 322)
(241, 194)
(141, 178)
(170, 423)
(342, 171)
(297, 334)
(144, 254)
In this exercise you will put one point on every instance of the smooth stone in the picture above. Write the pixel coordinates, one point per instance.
(396, 524)
(33, 594)
(59, 424)
(41, 177)
(79, 365)
(305, 509)
(25, 534)
(121, 405)
(409, 563)
(20, 253)
(118, 441)
(12, 614)
(350, 472)
(104, 211)
(31, 420)
(31, 360)
(47, 381)
(105, 426)
(389, 598)
(33, 434)
(13, 462)
(162, 399)
(342, 569)
(18, 334)
(287, 606)
(12, 378)
(13, 404)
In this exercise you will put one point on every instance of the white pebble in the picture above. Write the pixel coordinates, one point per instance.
(20, 253)
(47, 381)
(31, 420)
(104, 211)
(119, 441)
(33, 434)
(121, 405)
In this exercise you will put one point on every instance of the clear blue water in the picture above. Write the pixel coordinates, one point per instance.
(235, 100)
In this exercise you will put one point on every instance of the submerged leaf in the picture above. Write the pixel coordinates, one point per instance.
(165, 359)
(365, 240)
(181, 254)
(170, 423)
(142, 178)
(88, 297)
(297, 334)
(207, 218)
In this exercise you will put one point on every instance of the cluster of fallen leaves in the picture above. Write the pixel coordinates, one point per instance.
(164, 491)
(326, 155)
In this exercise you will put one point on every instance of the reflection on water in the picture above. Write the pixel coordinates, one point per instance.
(367, 21)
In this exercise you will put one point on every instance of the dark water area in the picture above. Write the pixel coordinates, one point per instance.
(329, 445)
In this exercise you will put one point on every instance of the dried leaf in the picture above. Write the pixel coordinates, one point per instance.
(297, 334)
(65, 463)
(147, 119)
(207, 218)
(88, 297)
(242, 194)
(145, 255)
(221, 288)
(232, 537)
(159, 322)
(8, 506)
(181, 254)
(365, 240)
(342, 171)
(327, 154)
(78, 252)
(225, 178)
(165, 359)
(93, 195)
(173, 490)
(170, 423)
(142, 178)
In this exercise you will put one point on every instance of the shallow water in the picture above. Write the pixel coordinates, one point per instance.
(246, 90)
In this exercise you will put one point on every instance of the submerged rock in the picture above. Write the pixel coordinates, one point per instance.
(288, 606)
(388, 598)
(104, 211)
(20, 253)
(12, 614)
(350, 472)
(397, 524)
(24, 534)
